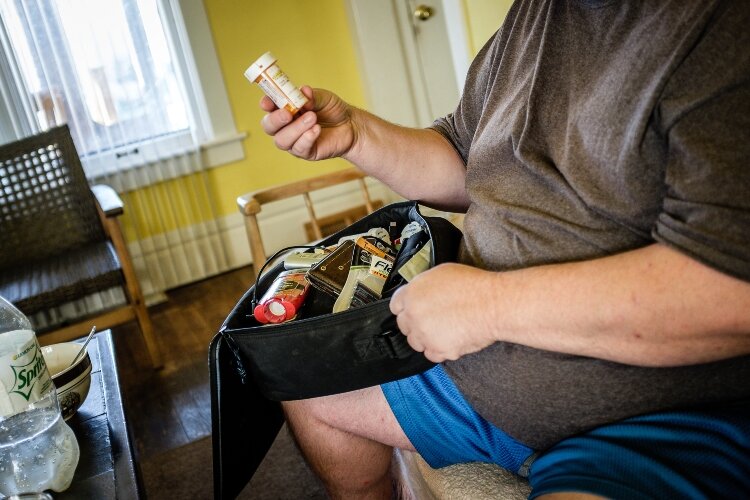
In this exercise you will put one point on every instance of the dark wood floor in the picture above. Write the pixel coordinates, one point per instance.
(172, 407)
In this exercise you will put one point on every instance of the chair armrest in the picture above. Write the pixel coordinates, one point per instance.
(250, 203)
(247, 204)
(108, 199)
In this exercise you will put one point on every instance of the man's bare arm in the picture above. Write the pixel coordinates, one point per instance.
(419, 164)
(650, 307)
(653, 306)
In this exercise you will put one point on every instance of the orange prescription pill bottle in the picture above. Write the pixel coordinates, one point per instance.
(274, 82)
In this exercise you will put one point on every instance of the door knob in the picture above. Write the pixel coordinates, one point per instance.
(423, 12)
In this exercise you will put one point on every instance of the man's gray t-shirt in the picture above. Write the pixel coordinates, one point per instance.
(590, 128)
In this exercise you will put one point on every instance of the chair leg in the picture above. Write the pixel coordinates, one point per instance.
(147, 330)
(135, 296)
(257, 251)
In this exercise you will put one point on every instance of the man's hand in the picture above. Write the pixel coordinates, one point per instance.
(323, 128)
(444, 311)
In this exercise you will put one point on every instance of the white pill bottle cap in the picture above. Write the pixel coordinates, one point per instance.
(259, 66)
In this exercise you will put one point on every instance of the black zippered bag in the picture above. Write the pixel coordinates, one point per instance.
(253, 366)
(325, 353)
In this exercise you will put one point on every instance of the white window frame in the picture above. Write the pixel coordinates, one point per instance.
(188, 30)
(190, 26)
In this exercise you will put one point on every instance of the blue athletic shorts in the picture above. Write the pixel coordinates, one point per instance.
(680, 454)
(444, 428)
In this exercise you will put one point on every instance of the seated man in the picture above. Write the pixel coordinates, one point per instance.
(595, 335)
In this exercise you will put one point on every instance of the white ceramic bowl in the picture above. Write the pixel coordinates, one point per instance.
(72, 382)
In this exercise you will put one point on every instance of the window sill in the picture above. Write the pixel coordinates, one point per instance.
(223, 150)
(145, 163)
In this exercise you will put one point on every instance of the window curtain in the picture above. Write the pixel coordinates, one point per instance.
(116, 72)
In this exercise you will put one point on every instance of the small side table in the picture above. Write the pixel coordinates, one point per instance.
(106, 468)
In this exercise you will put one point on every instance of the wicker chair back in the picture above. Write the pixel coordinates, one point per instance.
(46, 205)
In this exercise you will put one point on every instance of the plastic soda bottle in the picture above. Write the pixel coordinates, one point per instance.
(38, 451)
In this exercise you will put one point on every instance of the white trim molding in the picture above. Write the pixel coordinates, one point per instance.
(223, 150)
(191, 28)
(459, 40)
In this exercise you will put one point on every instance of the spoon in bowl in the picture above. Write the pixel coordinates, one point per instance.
(83, 347)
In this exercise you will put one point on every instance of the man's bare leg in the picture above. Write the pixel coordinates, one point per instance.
(348, 440)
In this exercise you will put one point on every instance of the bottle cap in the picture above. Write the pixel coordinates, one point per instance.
(259, 66)
(259, 313)
(276, 308)
(274, 311)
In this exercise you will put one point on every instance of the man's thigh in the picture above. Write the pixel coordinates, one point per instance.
(364, 413)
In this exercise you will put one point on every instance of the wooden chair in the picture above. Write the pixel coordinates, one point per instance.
(61, 239)
(251, 204)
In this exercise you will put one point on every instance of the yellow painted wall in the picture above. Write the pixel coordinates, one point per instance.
(484, 17)
(314, 46)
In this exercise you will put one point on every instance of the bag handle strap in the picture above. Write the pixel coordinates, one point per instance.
(393, 341)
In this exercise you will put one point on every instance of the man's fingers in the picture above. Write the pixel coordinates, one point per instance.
(275, 121)
(288, 136)
(403, 325)
(435, 357)
(397, 301)
(285, 136)
(308, 91)
(266, 104)
(305, 145)
(415, 344)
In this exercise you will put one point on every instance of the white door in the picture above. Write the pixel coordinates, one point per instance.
(414, 56)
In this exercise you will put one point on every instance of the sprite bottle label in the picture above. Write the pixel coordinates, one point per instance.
(24, 378)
